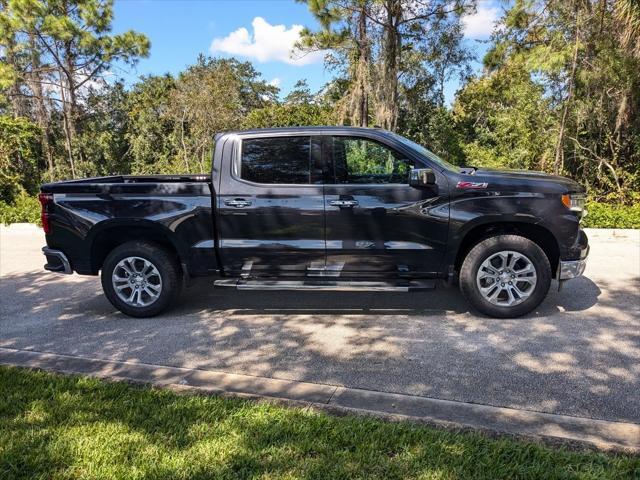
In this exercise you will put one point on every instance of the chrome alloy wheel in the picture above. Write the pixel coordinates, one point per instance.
(136, 281)
(506, 278)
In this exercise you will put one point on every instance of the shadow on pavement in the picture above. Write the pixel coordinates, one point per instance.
(423, 343)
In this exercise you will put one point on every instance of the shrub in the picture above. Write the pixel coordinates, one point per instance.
(603, 215)
(19, 157)
(24, 208)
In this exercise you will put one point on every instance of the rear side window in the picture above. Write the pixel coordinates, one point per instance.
(276, 160)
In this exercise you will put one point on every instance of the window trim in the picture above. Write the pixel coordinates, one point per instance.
(236, 163)
(328, 160)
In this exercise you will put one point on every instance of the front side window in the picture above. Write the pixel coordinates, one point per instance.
(276, 160)
(364, 161)
(426, 153)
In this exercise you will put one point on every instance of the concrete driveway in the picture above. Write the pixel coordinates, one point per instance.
(577, 355)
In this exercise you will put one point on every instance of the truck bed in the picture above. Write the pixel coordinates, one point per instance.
(187, 184)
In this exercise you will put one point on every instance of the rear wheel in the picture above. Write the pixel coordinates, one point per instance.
(505, 276)
(141, 279)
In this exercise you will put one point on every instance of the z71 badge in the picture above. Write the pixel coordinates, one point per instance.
(468, 185)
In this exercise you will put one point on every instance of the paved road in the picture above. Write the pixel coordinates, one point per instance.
(578, 354)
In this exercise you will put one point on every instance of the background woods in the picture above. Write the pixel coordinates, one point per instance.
(558, 92)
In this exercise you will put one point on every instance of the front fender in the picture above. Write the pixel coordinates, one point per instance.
(469, 212)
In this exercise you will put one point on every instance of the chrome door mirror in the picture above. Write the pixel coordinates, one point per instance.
(422, 177)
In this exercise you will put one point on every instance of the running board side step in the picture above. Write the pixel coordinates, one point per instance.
(327, 285)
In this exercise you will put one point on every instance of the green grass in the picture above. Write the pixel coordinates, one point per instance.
(55, 426)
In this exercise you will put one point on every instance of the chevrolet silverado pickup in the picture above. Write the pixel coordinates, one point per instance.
(320, 208)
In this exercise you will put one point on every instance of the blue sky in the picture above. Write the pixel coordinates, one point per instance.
(261, 31)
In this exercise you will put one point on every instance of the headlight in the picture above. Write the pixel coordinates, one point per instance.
(575, 202)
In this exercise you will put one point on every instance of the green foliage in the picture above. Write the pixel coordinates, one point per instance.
(289, 115)
(63, 427)
(152, 144)
(424, 121)
(103, 137)
(58, 52)
(559, 94)
(602, 215)
(300, 94)
(19, 157)
(25, 208)
(171, 122)
(504, 120)
(210, 97)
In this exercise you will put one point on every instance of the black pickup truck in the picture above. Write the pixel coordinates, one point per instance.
(320, 208)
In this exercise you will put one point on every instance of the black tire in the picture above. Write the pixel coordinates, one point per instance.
(483, 251)
(167, 266)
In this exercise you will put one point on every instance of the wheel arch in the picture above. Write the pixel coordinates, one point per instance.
(106, 236)
(538, 234)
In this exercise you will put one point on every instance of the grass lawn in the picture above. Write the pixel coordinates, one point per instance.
(54, 426)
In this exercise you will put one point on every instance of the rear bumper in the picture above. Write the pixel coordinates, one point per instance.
(56, 261)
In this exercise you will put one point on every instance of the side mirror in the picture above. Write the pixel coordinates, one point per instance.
(422, 177)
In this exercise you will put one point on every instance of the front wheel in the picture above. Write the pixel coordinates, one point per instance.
(141, 279)
(505, 276)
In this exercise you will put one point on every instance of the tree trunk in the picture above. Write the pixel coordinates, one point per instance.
(559, 158)
(363, 70)
(69, 69)
(387, 111)
(42, 115)
(182, 140)
(67, 129)
(71, 72)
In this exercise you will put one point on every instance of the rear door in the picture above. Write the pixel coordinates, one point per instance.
(271, 206)
(376, 224)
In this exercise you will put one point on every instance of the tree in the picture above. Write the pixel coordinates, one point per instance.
(572, 53)
(372, 38)
(300, 94)
(505, 121)
(345, 33)
(67, 46)
(103, 135)
(152, 145)
(289, 115)
(425, 121)
(211, 96)
(206, 100)
(405, 21)
(627, 13)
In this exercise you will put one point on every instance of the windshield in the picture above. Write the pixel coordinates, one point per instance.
(426, 153)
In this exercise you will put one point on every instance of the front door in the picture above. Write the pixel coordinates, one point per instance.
(376, 224)
(271, 207)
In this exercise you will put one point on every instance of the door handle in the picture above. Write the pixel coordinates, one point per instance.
(237, 203)
(344, 203)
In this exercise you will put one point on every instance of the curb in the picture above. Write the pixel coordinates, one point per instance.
(523, 424)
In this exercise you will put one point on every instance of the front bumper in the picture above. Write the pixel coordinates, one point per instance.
(56, 261)
(575, 264)
(571, 268)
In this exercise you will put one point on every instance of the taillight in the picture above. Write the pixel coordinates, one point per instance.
(46, 199)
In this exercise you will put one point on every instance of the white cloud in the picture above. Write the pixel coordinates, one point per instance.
(275, 82)
(267, 43)
(480, 24)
